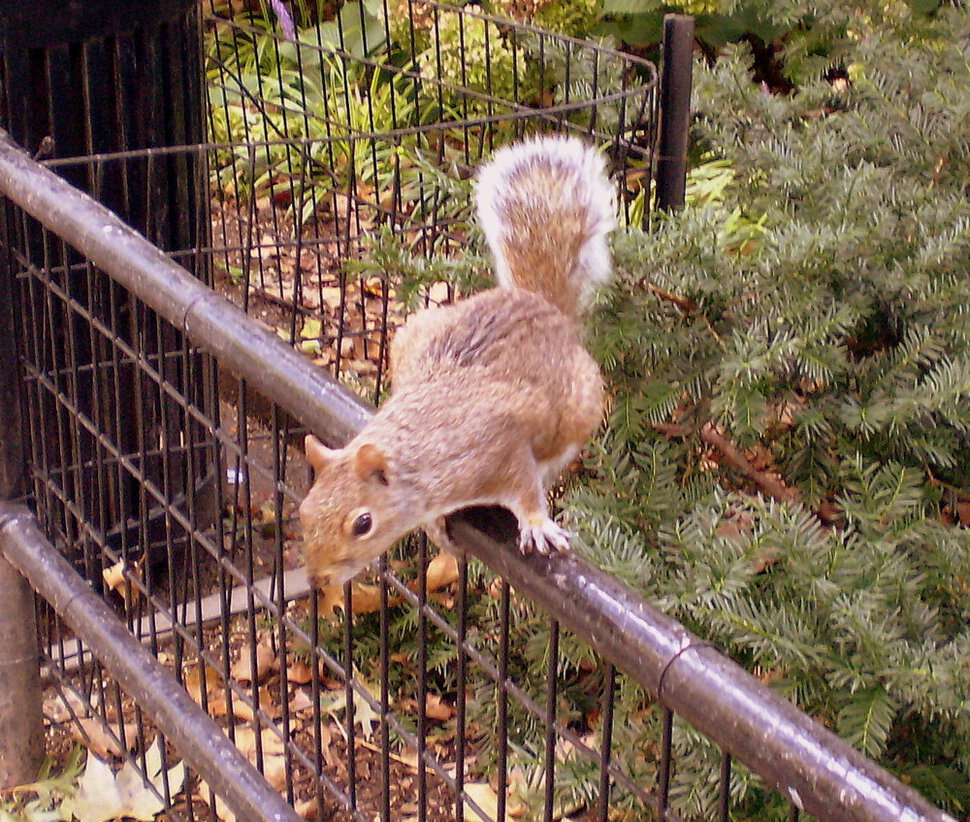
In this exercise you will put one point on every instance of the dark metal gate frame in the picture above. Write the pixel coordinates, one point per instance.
(806, 763)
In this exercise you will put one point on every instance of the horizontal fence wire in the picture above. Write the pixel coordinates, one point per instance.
(165, 412)
(313, 726)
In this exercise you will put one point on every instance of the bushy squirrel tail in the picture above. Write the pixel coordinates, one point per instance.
(546, 207)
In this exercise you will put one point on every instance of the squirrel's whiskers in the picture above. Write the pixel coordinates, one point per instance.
(491, 397)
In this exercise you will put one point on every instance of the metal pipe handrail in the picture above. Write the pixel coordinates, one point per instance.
(196, 736)
(808, 764)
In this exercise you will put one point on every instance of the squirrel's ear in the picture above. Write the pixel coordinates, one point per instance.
(317, 454)
(371, 464)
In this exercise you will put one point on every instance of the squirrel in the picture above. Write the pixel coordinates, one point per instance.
(493, 396)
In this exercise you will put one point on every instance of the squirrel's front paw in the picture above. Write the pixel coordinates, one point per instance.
(544, 536)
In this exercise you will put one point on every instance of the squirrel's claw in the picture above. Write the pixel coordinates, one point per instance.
(544, 536)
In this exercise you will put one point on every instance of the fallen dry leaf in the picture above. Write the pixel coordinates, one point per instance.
(330, 756)
(436, 708)
(114, 576)
(300, 702)
(103, 795)
(438, 293)
(830, 513)
(763, 560)
(409, 757)
(331, 296)
(218, 707)
(92, 734)
(365, 716)
(442, 571)
(373, 286)
(483, 795)
(309, 259)
(274, 769)
(761, 458)
(242, 668)
(307, 808)
(366, 599)
(241, 709)
(193, 681)
(298, 672)
(272, 745)
(495, 588)
(64, 705)
(787, 411)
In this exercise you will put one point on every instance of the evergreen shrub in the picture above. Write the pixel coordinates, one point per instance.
(786, 467)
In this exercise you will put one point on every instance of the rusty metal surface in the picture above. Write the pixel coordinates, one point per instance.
(21, 722)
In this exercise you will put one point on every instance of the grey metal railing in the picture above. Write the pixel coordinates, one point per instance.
(806, 763)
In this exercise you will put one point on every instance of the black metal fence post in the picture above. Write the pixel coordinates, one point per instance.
(98, 77)
(21, 721)
(11, 436)
(675, 87)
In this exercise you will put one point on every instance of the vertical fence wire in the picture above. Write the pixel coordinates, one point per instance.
(120, 480)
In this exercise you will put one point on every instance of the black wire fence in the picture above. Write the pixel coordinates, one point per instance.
(163, 397)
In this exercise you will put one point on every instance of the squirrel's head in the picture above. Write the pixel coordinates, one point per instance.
(345, 516)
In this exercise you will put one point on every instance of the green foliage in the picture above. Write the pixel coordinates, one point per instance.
(307, 106)
(309, 116)
(469, 54)
(575, 18)
(797, 38)
(809, 306)
(305, 121)
(47, 799)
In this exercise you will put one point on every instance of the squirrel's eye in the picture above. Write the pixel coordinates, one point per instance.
(362, 525)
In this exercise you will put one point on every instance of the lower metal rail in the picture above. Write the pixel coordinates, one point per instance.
(201, 742)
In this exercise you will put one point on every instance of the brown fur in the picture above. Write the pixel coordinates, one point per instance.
(491, 398)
